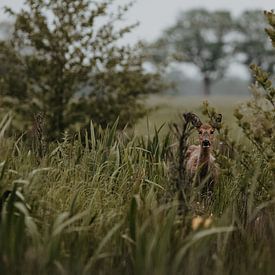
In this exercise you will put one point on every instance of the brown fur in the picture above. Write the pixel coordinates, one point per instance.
(200, 161)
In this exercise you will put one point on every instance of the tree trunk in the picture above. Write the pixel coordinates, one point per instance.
(59, 117)
(56, 126)
(206, 86)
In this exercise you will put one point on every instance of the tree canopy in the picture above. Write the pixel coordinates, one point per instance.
(211, 41)
(252, 44)
(75, 67)
(198, 37)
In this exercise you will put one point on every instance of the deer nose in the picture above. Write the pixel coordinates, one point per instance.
(206, 143)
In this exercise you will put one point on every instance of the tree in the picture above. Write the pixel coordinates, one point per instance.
(198, 37)
(11, 70)
(10, 67)
(252, 44)
(13, 85)
(271, 30)
(257, 116)
(72, 58)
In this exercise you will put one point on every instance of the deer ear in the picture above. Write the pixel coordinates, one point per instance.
(194, 119)
(216, 121)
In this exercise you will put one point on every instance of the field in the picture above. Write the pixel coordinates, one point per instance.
(108, 202)
(166, 109)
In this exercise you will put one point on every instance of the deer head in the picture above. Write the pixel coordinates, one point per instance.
(205, 130)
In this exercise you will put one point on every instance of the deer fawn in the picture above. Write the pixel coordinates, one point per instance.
(200, 163)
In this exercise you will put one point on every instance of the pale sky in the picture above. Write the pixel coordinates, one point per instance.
(156, 15)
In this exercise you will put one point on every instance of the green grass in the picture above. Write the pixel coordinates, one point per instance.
(166, 109)
(108, 204)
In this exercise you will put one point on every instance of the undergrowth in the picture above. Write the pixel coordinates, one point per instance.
(107, 202)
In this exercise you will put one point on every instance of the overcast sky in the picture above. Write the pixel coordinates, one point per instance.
(156, 15)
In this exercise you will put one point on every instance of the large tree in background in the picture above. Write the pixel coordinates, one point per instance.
(13, 82)
(12, 74)
(252, 46)
(75, 69)
(198, 37)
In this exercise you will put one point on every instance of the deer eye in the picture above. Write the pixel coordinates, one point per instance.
(212, 132)
(200, 132)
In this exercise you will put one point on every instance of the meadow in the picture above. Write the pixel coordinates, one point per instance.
(166, 109)
(107, 202)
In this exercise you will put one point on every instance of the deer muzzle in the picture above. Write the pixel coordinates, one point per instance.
(205, 143)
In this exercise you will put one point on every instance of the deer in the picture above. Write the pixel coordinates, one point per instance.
(200, 162)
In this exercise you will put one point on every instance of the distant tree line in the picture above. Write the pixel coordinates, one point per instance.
(64, 59)
(211, 40)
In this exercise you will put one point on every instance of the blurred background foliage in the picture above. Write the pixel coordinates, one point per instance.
(66, 60)
(211, 42)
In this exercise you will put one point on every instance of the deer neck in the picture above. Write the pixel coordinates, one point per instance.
(205, 153)
(204, 159)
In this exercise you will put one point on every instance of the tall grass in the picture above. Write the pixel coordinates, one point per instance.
(107, 203)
